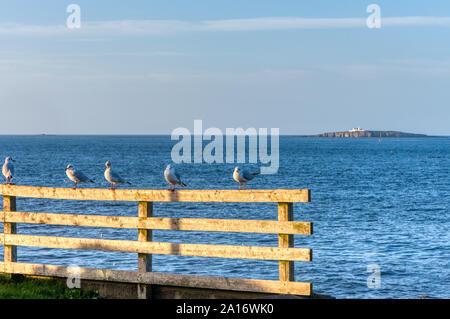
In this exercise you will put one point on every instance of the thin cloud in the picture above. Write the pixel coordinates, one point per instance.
(168, 27)
(416, 21)
(283, 23)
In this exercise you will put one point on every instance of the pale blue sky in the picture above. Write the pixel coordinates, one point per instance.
(148, 67)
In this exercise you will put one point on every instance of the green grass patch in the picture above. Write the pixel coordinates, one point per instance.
(19, 287)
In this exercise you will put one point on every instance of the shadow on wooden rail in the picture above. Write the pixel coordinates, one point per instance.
(285, 227)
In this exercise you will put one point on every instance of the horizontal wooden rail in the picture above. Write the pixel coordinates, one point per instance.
(156, 195)
(200, 250)
(236, 284)
(192, 224)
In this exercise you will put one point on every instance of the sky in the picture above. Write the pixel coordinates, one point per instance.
(149, 67)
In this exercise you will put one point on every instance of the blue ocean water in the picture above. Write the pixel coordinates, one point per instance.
(372, 203)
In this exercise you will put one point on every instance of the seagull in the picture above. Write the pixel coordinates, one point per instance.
(172, 177)
(243, 176)
(77, 176)
(112, 177)
(8, 170)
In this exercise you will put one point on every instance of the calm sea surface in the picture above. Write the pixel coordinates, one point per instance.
(382, 203)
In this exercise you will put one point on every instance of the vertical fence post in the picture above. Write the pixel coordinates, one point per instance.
(10, 252)
(145, 260)
(286, 268)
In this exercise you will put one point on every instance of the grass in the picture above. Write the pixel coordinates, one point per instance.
(19, 287)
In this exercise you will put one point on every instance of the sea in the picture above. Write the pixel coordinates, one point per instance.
(380, 209)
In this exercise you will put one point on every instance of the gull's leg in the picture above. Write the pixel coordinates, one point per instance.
(245, 185)
(75, 186)
(240, 186)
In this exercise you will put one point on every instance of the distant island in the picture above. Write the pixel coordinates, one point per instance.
(358, 132)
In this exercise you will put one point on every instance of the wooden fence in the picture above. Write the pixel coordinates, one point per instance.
(285, 227)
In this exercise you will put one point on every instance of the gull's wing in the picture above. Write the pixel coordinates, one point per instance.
(173, 177)
(116, 177)
(177, 176)
(179, 182)
(81, 177)
(247, 175)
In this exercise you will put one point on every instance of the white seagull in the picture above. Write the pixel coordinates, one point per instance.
(243, 176)
(77, 176)
(8, 170)
(112, 176)
(172, 177)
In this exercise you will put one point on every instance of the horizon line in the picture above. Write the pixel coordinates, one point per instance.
(169, 134)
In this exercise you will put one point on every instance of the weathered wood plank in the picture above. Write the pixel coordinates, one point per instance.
(200, 250)
(156, 195)
(286, 268)
(186, 224)
(236, 284)
(10, 251)
(145, 209)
